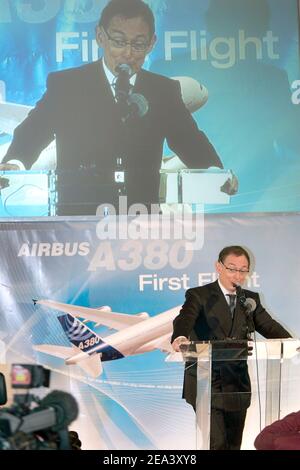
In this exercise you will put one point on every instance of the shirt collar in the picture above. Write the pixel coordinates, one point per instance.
(225, 291)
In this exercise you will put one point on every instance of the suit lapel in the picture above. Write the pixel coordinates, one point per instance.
(100, 90)
(218, 312)
(98, 86)
(144, 86)
(238, 321)
(104, 100)
(139, 82)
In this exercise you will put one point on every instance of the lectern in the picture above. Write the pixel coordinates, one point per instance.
(190, 186)
(274, 369)
(29, 193)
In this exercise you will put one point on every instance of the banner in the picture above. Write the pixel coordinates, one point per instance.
(73, 287)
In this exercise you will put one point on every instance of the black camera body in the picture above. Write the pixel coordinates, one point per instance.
(3, 393)
(32, 423)
(24, 376)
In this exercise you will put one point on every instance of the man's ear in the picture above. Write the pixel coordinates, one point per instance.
(218, 267)
(99, 36)
(152, 43)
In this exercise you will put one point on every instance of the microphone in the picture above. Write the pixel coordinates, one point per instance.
(250, 305)
(122, 85)
(240, 294)
(131, 104)
(138, 104)
(56, 411)
(247, 302)
(123, 69)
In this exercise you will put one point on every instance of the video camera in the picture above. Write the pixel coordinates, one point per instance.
(32, 423)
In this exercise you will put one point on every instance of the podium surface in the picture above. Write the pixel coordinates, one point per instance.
(194, 186)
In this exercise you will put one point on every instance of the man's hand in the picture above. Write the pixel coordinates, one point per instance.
(179, 342)
(4, 182)
(231, 185)
(250, 348)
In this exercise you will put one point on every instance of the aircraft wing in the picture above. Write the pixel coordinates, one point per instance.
(102, 316)
(63, 352)
(92, 364)
(162, 343)
(11, 114)
(194, 94)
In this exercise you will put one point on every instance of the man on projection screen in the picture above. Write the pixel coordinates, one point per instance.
(110, 131)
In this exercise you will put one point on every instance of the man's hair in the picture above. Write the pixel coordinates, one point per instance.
(233, 250)
(127, 9)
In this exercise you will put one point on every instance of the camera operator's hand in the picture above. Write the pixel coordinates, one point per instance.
(75, 442)
(53, 439)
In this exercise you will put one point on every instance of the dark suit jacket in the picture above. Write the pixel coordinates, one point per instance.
(205, 316)
(79, 109)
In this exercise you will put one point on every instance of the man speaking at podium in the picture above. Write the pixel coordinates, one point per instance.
(222, 310)
(110, 119)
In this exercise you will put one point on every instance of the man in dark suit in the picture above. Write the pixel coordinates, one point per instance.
(210, 313)
(95, 140)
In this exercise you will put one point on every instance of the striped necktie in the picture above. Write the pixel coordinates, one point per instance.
(232, 298)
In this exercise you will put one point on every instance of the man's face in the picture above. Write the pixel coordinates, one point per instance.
(233, 270)
(125, 41)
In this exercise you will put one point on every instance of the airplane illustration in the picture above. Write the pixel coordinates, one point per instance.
(136, 334)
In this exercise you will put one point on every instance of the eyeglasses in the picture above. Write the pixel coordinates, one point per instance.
(138, 46)
(235, 271)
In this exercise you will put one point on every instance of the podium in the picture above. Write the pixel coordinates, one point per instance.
(274, 370)
(36, 193)
(29, 193)
(194, 186)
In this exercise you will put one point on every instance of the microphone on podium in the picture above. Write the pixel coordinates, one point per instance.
(122, 85)
(131, 104)
(248, 303)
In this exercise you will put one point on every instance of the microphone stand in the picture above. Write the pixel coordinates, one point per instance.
(250, 323)
(123, 89)
(248, 313)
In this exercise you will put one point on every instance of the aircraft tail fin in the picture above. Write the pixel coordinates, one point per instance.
(78, 333)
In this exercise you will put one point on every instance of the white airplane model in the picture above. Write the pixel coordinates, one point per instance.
(136, 334)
